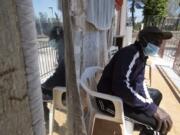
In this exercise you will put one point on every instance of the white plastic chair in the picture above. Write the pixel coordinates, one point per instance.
(88, 83)
(112, 51)
(56, 103)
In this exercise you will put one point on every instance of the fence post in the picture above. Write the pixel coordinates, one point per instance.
(162, 48)
(176, 64)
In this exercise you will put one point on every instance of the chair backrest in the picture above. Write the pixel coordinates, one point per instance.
(88, 84)
(89, 81)
(90, 77)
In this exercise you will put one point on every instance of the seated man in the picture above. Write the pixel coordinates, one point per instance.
(124, 77)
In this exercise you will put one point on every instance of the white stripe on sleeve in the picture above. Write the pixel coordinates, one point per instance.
(144, 100)
(146, 92)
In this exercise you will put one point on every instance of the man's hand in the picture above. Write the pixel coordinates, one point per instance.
(164, 121)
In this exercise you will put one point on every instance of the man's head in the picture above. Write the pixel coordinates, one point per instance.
(153, 35)
(56, 33)
(152, 38)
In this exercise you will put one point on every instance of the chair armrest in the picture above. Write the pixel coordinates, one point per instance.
(118, 104)
(59, 89)
(57, 97)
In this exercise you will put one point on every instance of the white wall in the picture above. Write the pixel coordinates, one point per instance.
(124, 31)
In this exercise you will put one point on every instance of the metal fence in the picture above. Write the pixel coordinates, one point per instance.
(47, 59)
(170, 51)
(176, 65)
(170, 48)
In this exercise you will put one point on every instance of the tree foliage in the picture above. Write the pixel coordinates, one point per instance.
(154, 11)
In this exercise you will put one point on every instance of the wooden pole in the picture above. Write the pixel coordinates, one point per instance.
(15, 113)
(75, 117)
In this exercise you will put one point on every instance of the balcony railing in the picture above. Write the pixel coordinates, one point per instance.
(47, 59)
(170, 52)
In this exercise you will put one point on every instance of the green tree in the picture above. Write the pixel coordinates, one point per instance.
(154, 11)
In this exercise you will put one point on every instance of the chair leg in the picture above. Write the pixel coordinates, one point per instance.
(58, 93)
(129, 127)
(51, 119)
(92, 127)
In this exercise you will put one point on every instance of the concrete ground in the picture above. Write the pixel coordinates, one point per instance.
(169, 103)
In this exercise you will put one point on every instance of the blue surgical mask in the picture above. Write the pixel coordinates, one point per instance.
(151, 49)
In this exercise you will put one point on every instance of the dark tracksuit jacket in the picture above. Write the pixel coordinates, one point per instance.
(124, 76)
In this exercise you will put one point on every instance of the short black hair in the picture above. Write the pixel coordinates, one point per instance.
(56, 33)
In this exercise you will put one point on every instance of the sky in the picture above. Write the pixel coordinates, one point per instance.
(138, 13)
(43, 6)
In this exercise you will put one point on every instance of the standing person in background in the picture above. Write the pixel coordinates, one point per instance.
(56, 40)
(58, 77)
(124, 77)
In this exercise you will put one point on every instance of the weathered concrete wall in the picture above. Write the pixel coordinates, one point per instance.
(15, 118)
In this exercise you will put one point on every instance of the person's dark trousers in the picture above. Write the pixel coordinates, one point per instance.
(143, 118)
(57, 79)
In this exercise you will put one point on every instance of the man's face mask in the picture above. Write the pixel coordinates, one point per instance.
(151, 49)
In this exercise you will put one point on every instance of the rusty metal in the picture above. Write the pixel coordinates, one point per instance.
(7, 71)
(161, 51)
